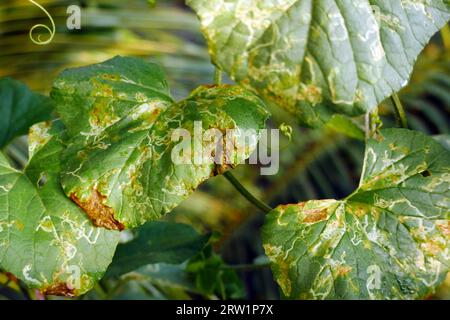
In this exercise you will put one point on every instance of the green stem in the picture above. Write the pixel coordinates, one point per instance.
(445, 33)
(371, 124)
(399, 112)
(218, 76)
(242, 190)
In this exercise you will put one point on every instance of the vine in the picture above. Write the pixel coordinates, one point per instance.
(51, 30)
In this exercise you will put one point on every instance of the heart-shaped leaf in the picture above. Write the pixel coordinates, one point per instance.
(119, 164)
(316, 58)
(45, 239)
(390, 239)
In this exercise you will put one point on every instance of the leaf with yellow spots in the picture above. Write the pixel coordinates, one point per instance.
(133, 154)
(45, 239)
(317, 58)
(390, 239)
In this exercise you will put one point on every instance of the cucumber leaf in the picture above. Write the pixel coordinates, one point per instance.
(390, 239)
(45, 239)
(118, 165)
(317, 58)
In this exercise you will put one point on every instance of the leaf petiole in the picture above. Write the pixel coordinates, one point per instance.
(242, 190)
(445, 33)
(217, 76)
(400, 114)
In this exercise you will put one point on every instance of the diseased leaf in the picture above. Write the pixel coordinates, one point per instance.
(390, 239)
(157, 242)
(91, 99)
(45, 239)
(118, 165)
(316, 58)
(20, 108)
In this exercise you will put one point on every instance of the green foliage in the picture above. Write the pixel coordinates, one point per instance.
(157, 242)
(212, 276)
(125, 115)
(45, 239)
(394, 227)
(205, 274)
(20, 108)
(106, 163)
(318, 58)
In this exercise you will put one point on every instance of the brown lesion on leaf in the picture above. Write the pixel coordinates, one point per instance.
(342, 271)
(310, 93)
(315, 215)
(58, 289)
(360, 210)
(11, 277)
(432, 247)
(444, 227)
(100, 214)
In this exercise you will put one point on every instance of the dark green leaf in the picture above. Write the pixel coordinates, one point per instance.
(213, 276)
(20, 108)
(157, 242)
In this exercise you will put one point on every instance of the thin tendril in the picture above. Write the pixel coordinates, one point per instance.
(51, 31)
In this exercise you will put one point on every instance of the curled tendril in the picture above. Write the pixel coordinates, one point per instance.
(286, 130)
(51, 30)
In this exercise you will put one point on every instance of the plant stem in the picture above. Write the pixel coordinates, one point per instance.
(218, 76)
(400, 114)
(445, 33)
(242, 190)
(100, 291)
(230, 177)
(372, 124)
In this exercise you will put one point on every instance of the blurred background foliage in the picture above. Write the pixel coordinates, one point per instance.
(315, 164)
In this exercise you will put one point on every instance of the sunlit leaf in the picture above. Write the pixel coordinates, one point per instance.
(316, 58)
(45, 239)
(390, 239)
(118, 165)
